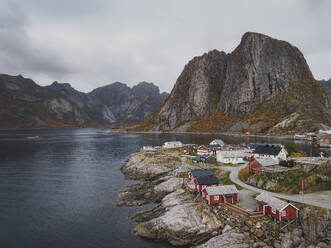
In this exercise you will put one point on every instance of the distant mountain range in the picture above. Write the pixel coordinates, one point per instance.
(24, 104)
(263, 86)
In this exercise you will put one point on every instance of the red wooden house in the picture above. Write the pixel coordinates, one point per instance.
(192, 183)
(220, 194)
(276, 208)
(189, 150)
(199, 173)
(203, 182)
(208, 149)
(257, 165)
(248, 155)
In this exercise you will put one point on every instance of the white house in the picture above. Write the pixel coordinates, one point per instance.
(230, 157)
(217, 142)
(270, 151)
(172, 144)
(148, 148)
(325, 131)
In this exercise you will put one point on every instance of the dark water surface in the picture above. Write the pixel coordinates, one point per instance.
(59, 190)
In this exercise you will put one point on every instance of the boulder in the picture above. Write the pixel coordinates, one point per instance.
(229, 239)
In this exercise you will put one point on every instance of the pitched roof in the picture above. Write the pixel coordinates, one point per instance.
(202, 173)
(221, 190)
(267, 161)
(218, 141)
(207, 180)
(173, 143)
(268, 149)
(273, 201)
(211, 146)
(232, 154)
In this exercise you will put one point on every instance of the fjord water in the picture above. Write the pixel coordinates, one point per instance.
(58, 187)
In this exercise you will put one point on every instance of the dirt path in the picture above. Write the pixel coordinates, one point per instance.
(322, 196)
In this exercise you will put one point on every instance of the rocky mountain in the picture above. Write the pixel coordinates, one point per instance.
(326, 85)
(24, 104)
(263, 83)
(115, 103)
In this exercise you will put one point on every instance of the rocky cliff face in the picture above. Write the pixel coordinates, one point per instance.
(24, 104)
(116, 103)
(261, 75)
(326, 85)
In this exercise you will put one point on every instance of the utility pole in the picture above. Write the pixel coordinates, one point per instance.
(302, 188)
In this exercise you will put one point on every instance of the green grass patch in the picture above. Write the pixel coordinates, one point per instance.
(224, 178)
(318, 179)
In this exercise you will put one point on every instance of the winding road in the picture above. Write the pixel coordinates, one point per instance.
(234, 178)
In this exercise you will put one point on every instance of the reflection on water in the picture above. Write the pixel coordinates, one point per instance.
(59, 188)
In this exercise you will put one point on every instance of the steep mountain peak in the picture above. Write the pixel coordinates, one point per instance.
(145, 85)
(58, 85)
(260, 70)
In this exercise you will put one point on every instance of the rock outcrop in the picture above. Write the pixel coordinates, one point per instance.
(182, 223)
(256, 86)
(230, 239)
(181, 218)
(24, 104)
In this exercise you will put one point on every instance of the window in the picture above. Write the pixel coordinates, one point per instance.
(283, 213)
(273, 210)
(216, 197)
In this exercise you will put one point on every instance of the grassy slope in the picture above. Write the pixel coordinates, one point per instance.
(317, 179)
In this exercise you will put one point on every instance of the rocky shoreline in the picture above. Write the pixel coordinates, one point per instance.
(274, 136)
(182, 219)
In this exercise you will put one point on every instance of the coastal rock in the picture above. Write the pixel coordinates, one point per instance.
(226, 228)
(140, 166)
(170, 185)
(230, 239)
(140, 194)
(183, 223)
(147, 215)
(315, 224)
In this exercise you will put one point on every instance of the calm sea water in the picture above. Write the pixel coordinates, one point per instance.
(60, 190)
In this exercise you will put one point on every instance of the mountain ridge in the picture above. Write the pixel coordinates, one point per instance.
(255, 87)
(25, 104)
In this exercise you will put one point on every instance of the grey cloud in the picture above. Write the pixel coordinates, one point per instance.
(97, 42)
(19, 53)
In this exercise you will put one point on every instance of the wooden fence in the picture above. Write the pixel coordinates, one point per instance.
(239, 209)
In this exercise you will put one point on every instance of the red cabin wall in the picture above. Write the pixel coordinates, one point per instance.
(229, 199)
(212, 198)
(260, 208)
(253, 165)
(291, 213)
(235, 197)
(200, 187)
(220, 199)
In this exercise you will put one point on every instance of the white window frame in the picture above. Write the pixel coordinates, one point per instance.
(283, 213)
(216, 197)
(273, 210)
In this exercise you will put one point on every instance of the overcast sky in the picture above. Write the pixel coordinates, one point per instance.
(91, 43)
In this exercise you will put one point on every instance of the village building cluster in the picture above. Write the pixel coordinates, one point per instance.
(321, 138)
(260, 158)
